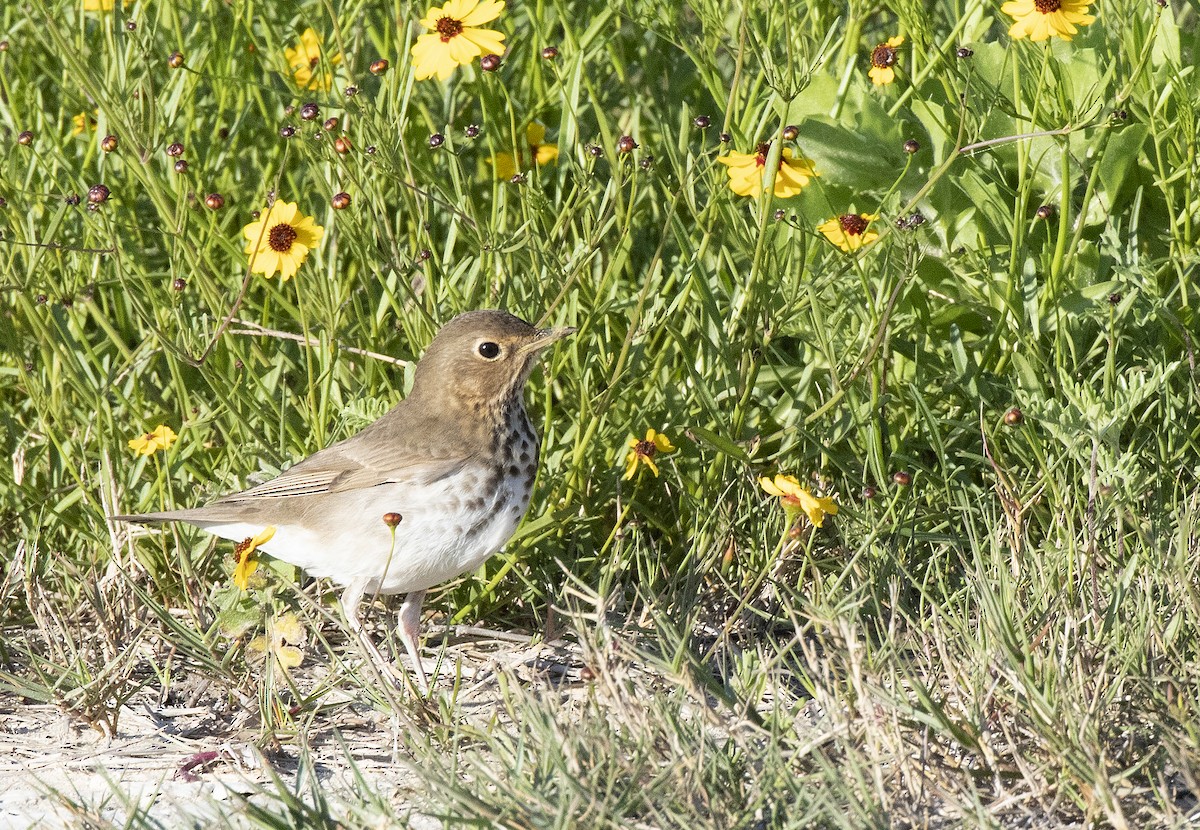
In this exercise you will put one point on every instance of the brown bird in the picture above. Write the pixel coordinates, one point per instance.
(427, 492)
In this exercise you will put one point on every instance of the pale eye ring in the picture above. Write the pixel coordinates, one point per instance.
(489, 350)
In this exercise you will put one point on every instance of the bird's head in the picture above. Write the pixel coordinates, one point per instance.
(479, 359)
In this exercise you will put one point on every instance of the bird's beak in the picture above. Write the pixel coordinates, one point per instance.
(545, 337)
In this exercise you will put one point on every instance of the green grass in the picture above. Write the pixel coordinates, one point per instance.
(1013, 633)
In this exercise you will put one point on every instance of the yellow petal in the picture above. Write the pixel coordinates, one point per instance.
(265, 535)
(535, 134)
(769, 486)
(545, 154)
(243, 572)
(487, 41)
(482, 13)
(505, 165)
(463, 49)
(631, 462)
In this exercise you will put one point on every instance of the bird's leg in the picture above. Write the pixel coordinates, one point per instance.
(410, 632)
(351, 598)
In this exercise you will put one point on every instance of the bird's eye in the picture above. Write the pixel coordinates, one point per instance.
(489, 350)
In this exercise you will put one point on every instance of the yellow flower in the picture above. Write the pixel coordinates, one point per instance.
(100, 5)
(644, 451)
(280, 240)
(454, 39)
(796, 499)
(508, 165)
(83, 121)
(1041, 19)
(883, 59)
(247, 562)
(160, 439)
(282, 631)
(747, 176)
(303, 60)
(850, 230)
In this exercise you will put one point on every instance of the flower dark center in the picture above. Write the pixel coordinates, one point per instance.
(1047, 6)
(646, 449)
(281, 238)
(852, 224)
(243, 548)
(449, 27)
(313, 61)
(149, 436)
(885, 56)
(761, 153)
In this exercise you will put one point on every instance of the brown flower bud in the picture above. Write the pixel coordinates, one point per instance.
(379, 67)
(392, 519)
(626, 145)
(98, 193)
(902, 477)
(175, 150)
(181, 166)
(175, 60)
(25, 138)
(1014, 417)
(489, 63)
(215, 201)
(108, 143)
(330, 124)
(340, 201)
(342, 144)
(791, 132)
(550, 52)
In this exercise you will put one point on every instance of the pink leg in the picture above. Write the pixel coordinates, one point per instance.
(410, 632)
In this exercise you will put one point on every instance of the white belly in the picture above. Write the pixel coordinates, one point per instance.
(447, 529)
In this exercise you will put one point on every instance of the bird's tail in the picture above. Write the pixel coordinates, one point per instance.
(156, 518)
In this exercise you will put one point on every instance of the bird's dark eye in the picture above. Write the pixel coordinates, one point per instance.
(489, 350)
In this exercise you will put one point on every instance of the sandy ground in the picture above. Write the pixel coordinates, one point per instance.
(181, 766)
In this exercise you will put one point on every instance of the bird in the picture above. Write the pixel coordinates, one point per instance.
(426, 493)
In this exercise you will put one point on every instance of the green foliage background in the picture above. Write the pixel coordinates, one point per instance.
(726, 322)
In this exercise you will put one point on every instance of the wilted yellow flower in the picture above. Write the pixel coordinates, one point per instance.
(507, 165)
(247, 562)
(850, 230)
(304, 59)
(161, 438)
(285, 635)
(746, 172)
(883, 59)
(797, 499)
(280, 240)
(454, 39)
(643, 452)
(83, 121)
(1041, 19)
